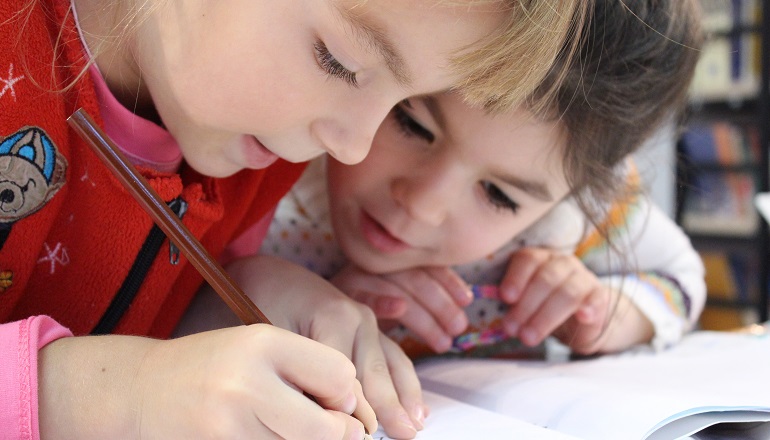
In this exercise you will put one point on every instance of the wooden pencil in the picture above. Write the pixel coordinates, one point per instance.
(165, 218)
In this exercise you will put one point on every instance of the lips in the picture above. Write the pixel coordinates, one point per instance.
(257, 156)
(378, 237)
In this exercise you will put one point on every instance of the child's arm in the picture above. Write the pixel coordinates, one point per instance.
(233, 383)
(301, 301)
(660, 272)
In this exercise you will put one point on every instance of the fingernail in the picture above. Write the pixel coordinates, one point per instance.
(468, 296)
(418, 416)
(512, 328)
(349, 404)
(528, 336)
(390, 305)
(587, 313)
(443, 344)
(359, 433)
(407, 421)
(458, 324)
(510, 294)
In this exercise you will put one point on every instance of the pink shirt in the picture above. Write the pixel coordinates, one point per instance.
(19, 345)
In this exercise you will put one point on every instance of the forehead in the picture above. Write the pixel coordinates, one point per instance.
(511, 142)
(516, 130)
(425, 34)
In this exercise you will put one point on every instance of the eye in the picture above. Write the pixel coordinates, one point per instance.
(409, 126)
(331, 66)
(498, 198)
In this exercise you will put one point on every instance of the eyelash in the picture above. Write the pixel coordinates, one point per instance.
(331, 66)
(498, 198)
(409, 126)
(494, 195)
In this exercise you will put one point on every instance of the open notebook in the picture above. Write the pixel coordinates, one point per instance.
(713, 385)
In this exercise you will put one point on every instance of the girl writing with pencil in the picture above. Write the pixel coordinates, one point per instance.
(217, 103)
(539, 207)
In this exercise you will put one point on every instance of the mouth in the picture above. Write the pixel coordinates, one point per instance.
(379, 237)
(257, 156)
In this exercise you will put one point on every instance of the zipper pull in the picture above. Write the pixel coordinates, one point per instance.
(179, 206)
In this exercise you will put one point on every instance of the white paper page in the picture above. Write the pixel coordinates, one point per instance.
(697, 422)
(623, 396)
(453, 420)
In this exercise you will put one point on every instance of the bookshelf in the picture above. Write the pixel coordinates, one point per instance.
(723, 160)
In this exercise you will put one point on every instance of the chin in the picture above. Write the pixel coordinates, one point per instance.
(216, 170)
(379, 265)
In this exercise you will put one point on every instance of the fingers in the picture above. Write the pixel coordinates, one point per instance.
(559, 303)
(452, 283)
(522, 266)
(379, 294)
(383, 369)
(406, 382)
(428, 301)
(533, 275)
(440, 294)
(390, 383)
(546, 289)
(424, 325)
(387, 307)
(321, 372)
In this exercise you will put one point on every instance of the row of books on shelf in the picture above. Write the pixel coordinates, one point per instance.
(721, 142)
(722, 178)
(720, 204)
(723, 15)
(732, 284)
(729, 65)
(731, 276)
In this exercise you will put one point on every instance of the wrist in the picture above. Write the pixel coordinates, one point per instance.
(89, 387)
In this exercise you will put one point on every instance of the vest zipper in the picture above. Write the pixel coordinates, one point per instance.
(136, 276)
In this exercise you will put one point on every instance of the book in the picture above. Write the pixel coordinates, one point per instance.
(721, 203)
(728, 68)
(713, 385)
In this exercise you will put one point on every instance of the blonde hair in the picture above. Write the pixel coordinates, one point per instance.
(135, 12)
(501, 71)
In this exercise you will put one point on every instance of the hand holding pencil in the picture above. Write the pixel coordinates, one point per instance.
(245, 381)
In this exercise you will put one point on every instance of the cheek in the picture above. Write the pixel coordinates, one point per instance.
(482, 235)
(248, 96)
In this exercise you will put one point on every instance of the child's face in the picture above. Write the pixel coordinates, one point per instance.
(241, 82)
(445, 184)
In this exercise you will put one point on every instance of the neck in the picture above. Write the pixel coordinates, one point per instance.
(107, 28)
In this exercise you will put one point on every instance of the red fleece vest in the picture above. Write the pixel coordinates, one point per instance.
(69, 231)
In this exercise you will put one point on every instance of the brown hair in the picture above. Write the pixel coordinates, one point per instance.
(503, 69)
(635, 63)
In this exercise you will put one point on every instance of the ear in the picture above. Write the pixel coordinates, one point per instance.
(58, 177)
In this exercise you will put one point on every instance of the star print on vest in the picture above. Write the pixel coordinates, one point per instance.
(31, 172)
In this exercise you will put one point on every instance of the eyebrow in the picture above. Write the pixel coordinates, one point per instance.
(537, 190)
(373, 36)
(435, 110)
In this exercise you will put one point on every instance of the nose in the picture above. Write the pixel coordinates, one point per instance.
(348, 135)
(7, 196)
(425, 194)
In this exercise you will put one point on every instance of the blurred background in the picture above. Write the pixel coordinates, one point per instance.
(707, 176)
